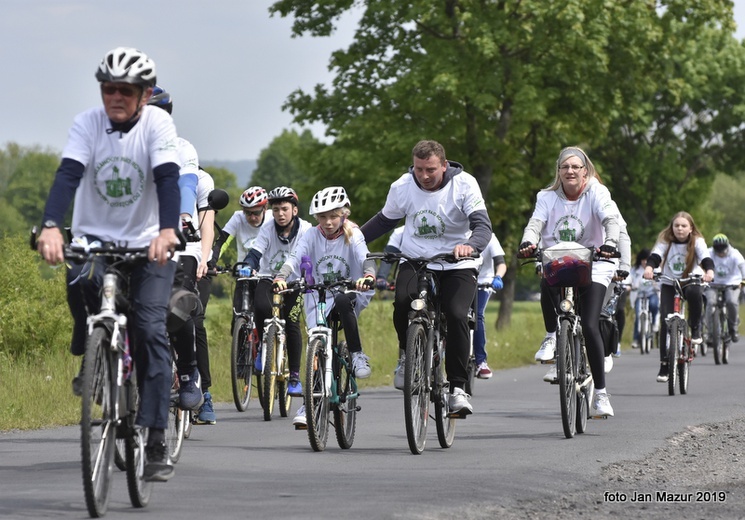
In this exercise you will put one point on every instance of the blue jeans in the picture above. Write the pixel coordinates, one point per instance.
(479, 334)
(654, 308)
(149, 291)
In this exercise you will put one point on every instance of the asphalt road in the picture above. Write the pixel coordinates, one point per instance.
(512, 450)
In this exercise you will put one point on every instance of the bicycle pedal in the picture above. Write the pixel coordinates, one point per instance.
(549, 362)
(599, 417)
(458, 415)
(301, 427)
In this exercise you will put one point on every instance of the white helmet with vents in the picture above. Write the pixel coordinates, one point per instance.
(328, 199)
(127, 65)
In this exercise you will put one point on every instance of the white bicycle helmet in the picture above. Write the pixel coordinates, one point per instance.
(283, 194)
(127, 65)
(253, 197)
(329, 199)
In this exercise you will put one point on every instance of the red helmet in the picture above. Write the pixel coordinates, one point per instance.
(254, 197)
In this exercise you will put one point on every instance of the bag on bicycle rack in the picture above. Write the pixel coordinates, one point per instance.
(567, 264)
(609, 333)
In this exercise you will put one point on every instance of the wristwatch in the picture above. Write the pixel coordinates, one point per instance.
(49, 224)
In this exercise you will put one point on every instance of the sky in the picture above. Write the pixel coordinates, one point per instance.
(228, 65)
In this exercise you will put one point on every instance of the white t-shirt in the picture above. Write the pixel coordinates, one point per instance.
(274, 252)
(189, 163)
(578, 221)
(243, 233)
(728, 270)
(675, 264)
(641, 285)
(396, 238)
(494, 248)
(117, 199)
(436, 221)
(204, 186)
(332, 260)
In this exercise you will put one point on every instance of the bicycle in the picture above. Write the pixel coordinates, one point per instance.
(471, 367)
(719, 333)
(680, 351)
(425, 379)
(274, 360)
(646, 334)
(330, 383)
(568, 266)
(608, 324)
(109, 391)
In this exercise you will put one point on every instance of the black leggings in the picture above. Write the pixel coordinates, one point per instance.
(591, 303)
(694, 298)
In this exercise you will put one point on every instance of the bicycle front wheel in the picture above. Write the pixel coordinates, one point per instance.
(242, 355)
(440, 394)
(565, 371)
(470, 375)
(345, 411)
(584, 393)
(98, 421)
(675, 340)
(316, 399)
(139, 489)
(643, 337)
(716, 337)
(416, 387)
(283, 384)
(270, 371)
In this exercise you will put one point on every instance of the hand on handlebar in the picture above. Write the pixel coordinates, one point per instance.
(365, 283)
(50, 245)
(608, 251)
(245, 272)
(708, 276)
(462, 251)
(526, 250)
(279, 285)
(497, 283)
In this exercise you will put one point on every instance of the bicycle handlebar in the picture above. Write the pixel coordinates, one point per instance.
(596, 256)
(445, 257)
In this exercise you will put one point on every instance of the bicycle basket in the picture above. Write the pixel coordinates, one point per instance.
(567, 264)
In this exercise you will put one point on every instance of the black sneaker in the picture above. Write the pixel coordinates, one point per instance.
(77, 382)
(157, 466)
(664, 374)
(734, 336)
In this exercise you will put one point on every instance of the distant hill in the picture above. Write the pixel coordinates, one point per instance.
(243, 170)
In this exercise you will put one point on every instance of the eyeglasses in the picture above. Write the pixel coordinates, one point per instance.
(254, 213)
(124, 90)
(573, 167)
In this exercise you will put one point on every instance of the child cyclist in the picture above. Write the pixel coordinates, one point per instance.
(729, 267)
(337, 250)
(681, 251)
(270, 250)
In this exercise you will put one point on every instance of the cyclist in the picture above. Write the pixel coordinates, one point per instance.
(680, 251)
(270, 250)
(643, 287)
(729, 269)
(192, 263)
(445, 213)
(578, 208)
(244, 225)
(492, 270)
(337, 251)
(120, 164)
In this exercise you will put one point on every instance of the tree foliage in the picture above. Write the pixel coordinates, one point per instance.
(651, 90)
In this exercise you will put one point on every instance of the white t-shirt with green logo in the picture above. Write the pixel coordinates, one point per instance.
(486, 271)
(675, 263)
(274, 252)
(436, 221)
(117, 198)
(730, 269)
(244, 233)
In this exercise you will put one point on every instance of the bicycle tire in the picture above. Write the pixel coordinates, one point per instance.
(675, 335)
(416, 387)
(283, 383)
(120, 453)
(725, 352)
(716, 337)
(270, 370)
(585, 392)
(345, 411)
(684, 369)
(139, 489)
(316, 399)
(643, 337)
(98, 421)
(242, 354)
(175, 431)
(189, 423)
(440, 394)
(566, 372)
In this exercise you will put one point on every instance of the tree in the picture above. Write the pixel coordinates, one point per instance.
(504, 85)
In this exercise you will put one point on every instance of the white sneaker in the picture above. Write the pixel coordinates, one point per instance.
(547, 352)
(601, 406)
(399, 373)
(551, 376)
(608, 363)
(300, 421)
(458, 402)
(360, 365)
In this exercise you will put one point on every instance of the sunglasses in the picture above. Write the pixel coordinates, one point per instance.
(124, 90)
(254, 213)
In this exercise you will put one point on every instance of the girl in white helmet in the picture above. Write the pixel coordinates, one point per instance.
(337, 250)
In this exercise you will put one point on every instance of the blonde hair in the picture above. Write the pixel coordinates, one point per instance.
(667, 236)
(567, 152)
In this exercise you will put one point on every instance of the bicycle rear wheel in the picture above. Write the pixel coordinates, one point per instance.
(242, 356)
(98, 421)
(471, 374)
(175, 433)
(440, 394)
(643, 337)
(316, 399)
(716, 337)
(139, 490)
(676, 338)
(283, 380)
(584, 394)
(417, 387)
(270, 371)
(345, 411)
(565, 371)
